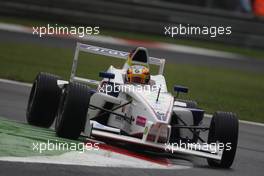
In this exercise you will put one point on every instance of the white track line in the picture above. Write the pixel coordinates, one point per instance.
(125, 42)
(206, 115)
(15, 82)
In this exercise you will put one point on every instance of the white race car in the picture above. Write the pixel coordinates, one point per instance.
(131, 106)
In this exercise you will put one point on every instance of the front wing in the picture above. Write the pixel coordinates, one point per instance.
(210, 153)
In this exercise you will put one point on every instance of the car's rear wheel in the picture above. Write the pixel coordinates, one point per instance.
(193, 105)
(224, 129)
(72, 111)
(43, 100)
(189, 103)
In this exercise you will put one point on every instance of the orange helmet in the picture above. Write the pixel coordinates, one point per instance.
(138, 74)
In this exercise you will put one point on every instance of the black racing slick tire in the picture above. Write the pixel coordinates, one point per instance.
(43, 100)
(189, 103)
(224, 129)
(72, 111)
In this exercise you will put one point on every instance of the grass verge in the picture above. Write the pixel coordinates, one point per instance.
(214, 88)
(19, 139)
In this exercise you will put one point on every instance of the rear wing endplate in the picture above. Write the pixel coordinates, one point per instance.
(105, 52)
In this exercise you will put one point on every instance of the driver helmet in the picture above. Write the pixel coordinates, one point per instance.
(138, 74)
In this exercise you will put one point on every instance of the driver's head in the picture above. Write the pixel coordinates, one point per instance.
(138, 74)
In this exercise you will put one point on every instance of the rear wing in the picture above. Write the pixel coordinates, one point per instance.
(105, 52)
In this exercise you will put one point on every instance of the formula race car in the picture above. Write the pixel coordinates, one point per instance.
(131, 106)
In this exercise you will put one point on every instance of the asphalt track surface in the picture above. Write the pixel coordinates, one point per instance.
(250, 154)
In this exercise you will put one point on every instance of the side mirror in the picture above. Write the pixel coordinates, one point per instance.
(107, 75)
(178, 89)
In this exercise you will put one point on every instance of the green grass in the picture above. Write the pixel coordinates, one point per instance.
(19, 139)
(222, 89)
(214, 88)
(250, 52)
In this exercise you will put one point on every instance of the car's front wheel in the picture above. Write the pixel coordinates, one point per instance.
(224, 129)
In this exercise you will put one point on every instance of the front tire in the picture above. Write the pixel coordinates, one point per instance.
(72, 111)
(224, 129)
(43, 100)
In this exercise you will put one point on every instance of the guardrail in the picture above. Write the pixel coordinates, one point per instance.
(141, 16)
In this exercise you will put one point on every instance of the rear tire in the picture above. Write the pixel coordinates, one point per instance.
(224, 129)
(43, 100)
(189, 103)
(72, 111)
(193, 105)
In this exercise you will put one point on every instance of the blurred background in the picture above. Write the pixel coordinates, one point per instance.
(150, 16)
(223, 73)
